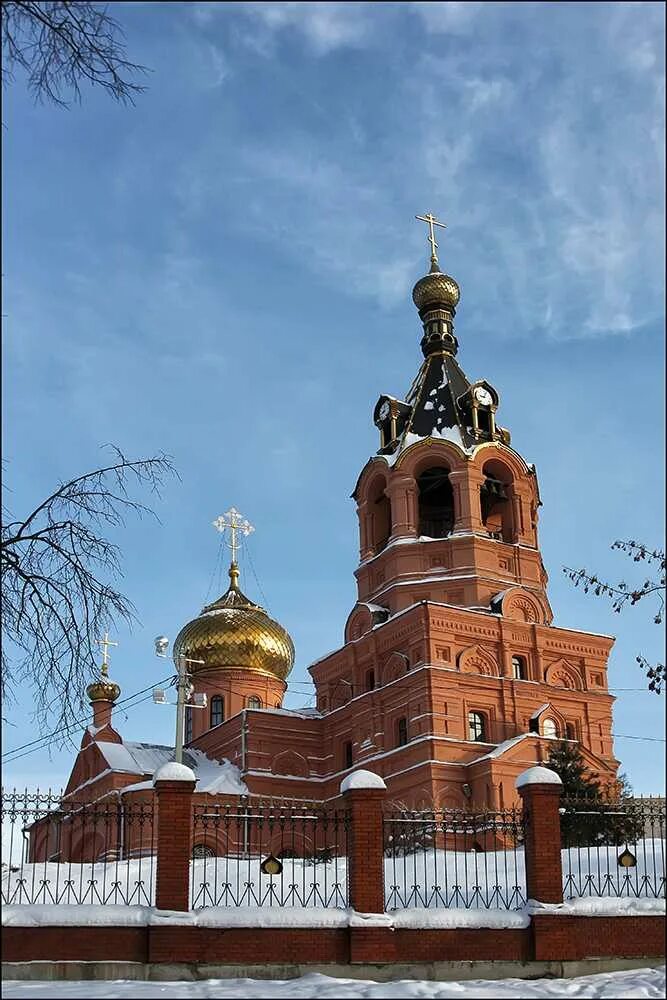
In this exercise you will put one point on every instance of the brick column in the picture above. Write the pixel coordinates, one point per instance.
(540, 788)
(363, 793)
(174, 784)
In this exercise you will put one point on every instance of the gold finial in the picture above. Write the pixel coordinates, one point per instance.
(431, 221)
(234, 521)
(105, 643)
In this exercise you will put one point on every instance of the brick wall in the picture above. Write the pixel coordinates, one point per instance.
(549, 938)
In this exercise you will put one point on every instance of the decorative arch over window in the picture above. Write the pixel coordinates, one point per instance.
(292, 763)
(254, 701)
(521, 605)
(217, 710)
(476, 660)
(395, 666)
(435, 498)
(495, 498)
(563, 674)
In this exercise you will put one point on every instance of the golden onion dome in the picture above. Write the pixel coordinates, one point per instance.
(436, 290)
(103, 689)
(235, 633)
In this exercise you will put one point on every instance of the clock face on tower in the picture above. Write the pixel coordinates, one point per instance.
(384, 410)
(483, 396)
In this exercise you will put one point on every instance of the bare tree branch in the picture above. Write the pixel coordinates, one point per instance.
(58, 582)
(622, 595)
(60, 44)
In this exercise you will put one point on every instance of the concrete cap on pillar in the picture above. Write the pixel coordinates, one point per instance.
(538, 776)
(361, 779)
(172, 771)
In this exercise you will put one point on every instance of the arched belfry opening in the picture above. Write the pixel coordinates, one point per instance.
(380, 508)
(495, 498)
(436, 502)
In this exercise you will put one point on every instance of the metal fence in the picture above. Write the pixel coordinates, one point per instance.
(56, 850)
(613, 848)
(269, 854)
(452, 858)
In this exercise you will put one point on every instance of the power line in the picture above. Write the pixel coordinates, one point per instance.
(48, 738)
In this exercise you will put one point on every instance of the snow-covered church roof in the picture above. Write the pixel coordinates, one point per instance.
(144, 759)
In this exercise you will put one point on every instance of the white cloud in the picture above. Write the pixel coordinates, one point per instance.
(451, 18)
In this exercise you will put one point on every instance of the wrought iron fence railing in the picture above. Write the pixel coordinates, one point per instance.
(249, 853)
(57, 850)
(453, 858)
(613, 848)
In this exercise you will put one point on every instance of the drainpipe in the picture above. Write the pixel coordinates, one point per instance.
(244, 736)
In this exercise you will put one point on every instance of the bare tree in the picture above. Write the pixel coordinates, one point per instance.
(622, 595)
(63, 44)
(58, 572)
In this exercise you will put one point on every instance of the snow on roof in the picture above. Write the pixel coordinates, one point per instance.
(147, 758)
(502, 747)
(538, 711)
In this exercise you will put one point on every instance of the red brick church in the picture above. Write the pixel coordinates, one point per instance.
(451, 678)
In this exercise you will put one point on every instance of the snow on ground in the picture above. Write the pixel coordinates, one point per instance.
(637, 983)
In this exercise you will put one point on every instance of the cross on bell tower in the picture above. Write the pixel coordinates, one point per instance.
(431, 221)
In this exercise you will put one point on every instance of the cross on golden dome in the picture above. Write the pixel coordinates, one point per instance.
(234, 521)
(431, 221)
(105, 643)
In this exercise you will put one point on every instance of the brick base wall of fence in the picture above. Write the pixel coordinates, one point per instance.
(558, 938)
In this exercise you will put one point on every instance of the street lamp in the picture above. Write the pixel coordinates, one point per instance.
(184, 692)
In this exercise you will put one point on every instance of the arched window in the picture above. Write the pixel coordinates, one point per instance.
(217, 710)
(347, 754)
(518, 668)
(202, 851)
(549, 729)
(495, 496)
(380, 509)
(254, 701)
(436, 503)
(476, 727)
(402, 732)
(187, 734)
(370, 680)
(570, 731)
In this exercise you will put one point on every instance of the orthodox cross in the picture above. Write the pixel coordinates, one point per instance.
(235, 521)
(431, 221)
(105, 643)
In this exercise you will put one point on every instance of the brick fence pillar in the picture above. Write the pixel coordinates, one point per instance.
(540, 788)
(363, 793)
(174, 784)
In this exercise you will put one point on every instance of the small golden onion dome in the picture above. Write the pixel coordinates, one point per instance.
(436, 289)
(235, 633)
(103, 689)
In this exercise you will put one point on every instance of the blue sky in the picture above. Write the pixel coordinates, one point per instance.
(223, 272)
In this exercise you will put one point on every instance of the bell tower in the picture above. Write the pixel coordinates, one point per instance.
(452, 675)
(447, 508)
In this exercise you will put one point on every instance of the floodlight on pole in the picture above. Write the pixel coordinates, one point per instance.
(183, 691)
